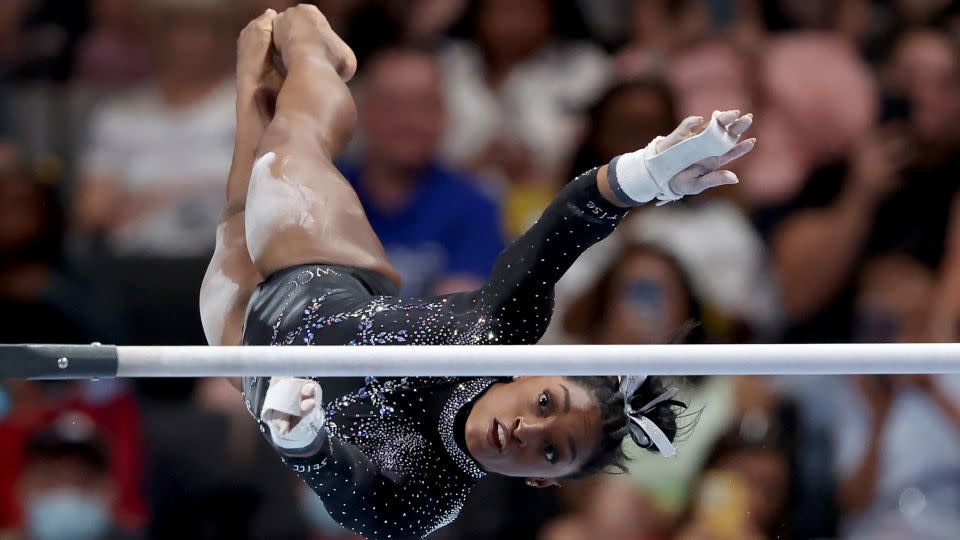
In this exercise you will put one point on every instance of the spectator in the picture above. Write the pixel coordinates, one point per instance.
(106, 408)
(945, 318)
(882, 199)
(608, 507)
(746, 489)
(626, 117)
(66, 486)
(33, 280)
(711, 76)
(4, 107)
(440, 232)
(152, 177)
(818, 99)
(660, 28)
(371, 26)
(890, 486)
(112, 52)
(512, 92)
(644, 296)
(38, 38)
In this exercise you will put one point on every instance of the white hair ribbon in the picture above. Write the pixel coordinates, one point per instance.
(643, 431)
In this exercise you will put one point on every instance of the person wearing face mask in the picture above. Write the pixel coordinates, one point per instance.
(65, 489)
(645, 296)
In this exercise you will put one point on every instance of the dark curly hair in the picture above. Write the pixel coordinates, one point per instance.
(666, 415)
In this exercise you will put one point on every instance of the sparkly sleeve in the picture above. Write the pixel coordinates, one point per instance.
(359, 496)
(516, 304)
(338, 467)
(519, 294)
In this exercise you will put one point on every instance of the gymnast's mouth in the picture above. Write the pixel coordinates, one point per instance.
(497, 436)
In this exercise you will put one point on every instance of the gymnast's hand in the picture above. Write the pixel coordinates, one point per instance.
(292, 412)
(707, 173)
(688, 161)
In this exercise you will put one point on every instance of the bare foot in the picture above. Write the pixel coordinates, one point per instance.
(258, 76)
(303, 31)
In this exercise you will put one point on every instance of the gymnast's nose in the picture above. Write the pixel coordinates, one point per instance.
(524, 432)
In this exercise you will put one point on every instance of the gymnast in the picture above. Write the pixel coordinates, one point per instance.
(296, 263)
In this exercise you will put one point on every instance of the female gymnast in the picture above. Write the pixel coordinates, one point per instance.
(297, 263)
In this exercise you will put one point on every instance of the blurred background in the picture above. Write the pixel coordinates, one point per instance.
(116, 126)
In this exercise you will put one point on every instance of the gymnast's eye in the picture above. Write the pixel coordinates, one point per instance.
(550, 454)
(544, 399)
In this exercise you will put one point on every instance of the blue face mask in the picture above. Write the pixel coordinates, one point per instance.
(646, 297)
(316, 514)
(67, 515)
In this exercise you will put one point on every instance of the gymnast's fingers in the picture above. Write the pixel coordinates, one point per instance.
(714, 179)
(741, 149)
(740, 125)
(686, 128)
(727, 118)
(309, 389)
(307, 405)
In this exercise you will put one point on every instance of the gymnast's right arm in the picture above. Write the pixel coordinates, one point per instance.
(361, 496)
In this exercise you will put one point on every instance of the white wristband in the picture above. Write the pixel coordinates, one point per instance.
(644, 175)
(283, 399)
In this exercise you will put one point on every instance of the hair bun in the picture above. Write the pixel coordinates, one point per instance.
(665, 413)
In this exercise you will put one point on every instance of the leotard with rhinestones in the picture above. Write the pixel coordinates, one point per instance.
(395, 464)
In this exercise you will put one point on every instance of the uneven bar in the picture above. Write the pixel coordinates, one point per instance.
(55, 361)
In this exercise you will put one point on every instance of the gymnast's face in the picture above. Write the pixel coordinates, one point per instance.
(541, 428)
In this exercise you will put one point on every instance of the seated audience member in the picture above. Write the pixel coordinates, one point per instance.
(894, 193)
(607, 507)
(151, 180)
(38, 38)
(371, 26)
(514, 88)
(439, 230)
(115, 415)
(112, 52)
(626, 117)
(897, 439)
(891, 487)
(745, 490)
(945, 316)
(66, 488)
(644, 296)
(801, 118)
(34, 281)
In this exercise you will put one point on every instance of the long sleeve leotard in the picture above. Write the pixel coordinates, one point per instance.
(395, 465)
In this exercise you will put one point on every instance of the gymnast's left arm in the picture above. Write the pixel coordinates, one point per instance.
(518, 296)
(515, 305)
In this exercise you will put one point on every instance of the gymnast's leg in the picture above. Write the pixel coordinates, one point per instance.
(231, 276)
(300, 210)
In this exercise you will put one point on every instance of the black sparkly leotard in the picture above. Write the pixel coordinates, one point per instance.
(395, 464)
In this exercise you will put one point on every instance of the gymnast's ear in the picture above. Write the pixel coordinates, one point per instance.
(542, 482)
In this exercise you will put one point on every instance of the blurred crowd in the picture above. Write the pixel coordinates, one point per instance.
(116, 135)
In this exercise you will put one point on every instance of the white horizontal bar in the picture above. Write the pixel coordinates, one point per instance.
(502, 360)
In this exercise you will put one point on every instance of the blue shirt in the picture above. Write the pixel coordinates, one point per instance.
(448, 228)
